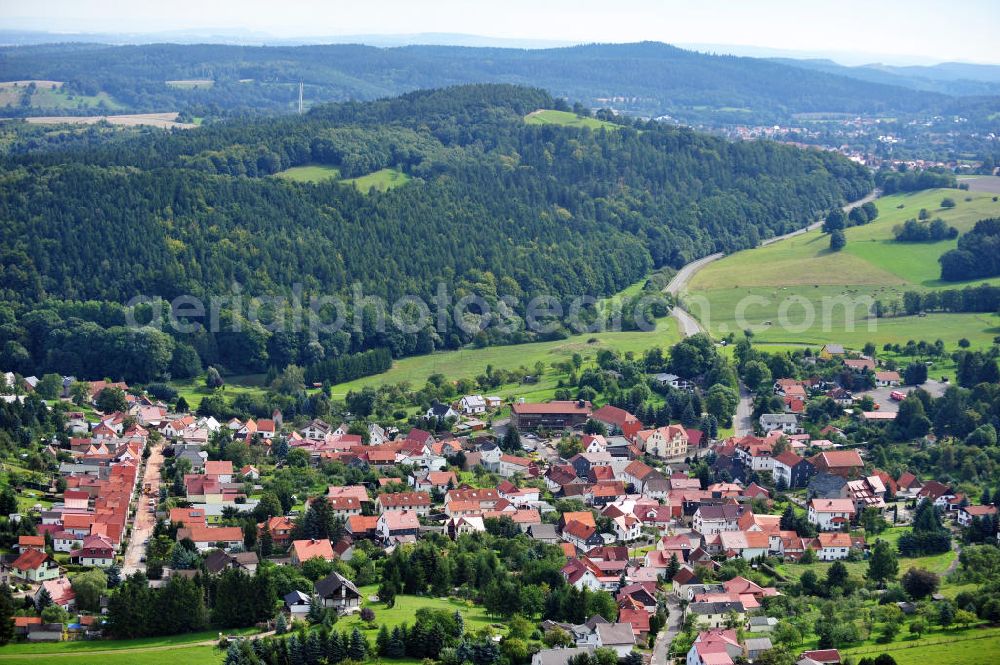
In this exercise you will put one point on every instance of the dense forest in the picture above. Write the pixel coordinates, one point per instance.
(495, 207)
(647, 78)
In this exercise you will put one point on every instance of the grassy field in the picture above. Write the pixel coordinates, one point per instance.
(191, 655)
(310, 173)
(382, 180)
(470, 362)
(404, 610)
(801, 273)
(566, 119)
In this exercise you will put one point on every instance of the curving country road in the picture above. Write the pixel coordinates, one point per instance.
(689, 325)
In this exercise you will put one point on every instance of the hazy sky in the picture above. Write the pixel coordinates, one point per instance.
(958, 30)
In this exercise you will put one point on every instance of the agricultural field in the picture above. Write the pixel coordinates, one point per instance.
(310, 173)
(382, 180)
(566, 119)
(162, 120)
(801, 273)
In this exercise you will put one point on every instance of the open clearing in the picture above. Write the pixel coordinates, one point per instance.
(566, 119)
(753, 287)
(310, 173)
(382, 180)
(162, 120)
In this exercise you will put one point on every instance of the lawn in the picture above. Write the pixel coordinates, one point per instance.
(566, 119)
(405, 608)
(309, 173)
(468, 363)
(812, 286)
(382, 180)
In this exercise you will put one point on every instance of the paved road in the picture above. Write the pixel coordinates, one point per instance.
(743, 420)
(669, 632)
(145, 519)
(688, 324)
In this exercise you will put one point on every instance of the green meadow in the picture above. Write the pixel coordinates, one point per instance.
(467, 363)
(382, 180)
(753, 288)
(310, 173)
(566, 119)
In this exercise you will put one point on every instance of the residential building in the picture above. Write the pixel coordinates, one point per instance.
(831, 514)
(663, 442)
(337, 592)
(550, 415)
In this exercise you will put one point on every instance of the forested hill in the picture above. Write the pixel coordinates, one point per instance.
(493, 205)
(645, 78)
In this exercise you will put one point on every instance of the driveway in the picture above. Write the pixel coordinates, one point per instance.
(145, 519)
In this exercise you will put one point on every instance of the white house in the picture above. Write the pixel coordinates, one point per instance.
(472, 405)
(833, 546)
(831, 514)
(786, 422)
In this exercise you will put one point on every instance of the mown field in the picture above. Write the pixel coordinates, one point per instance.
(773, 289)
(566, 119)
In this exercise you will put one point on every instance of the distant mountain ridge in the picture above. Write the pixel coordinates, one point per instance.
(950, 78)
(647, 78)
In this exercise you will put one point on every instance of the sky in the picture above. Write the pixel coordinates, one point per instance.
(898, 31)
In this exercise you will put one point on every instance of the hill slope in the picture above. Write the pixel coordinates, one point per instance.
(489, 205)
